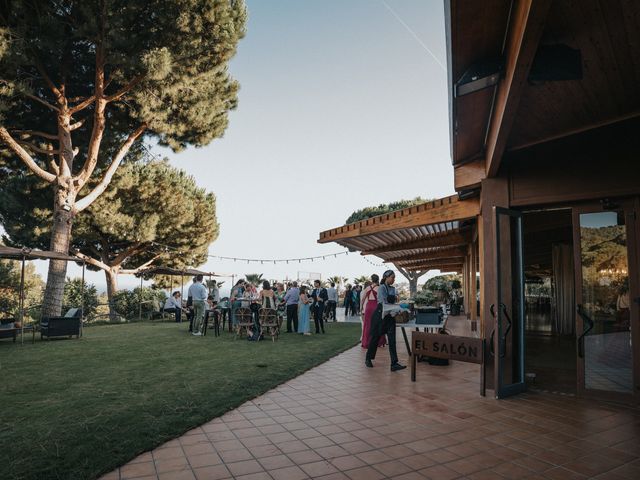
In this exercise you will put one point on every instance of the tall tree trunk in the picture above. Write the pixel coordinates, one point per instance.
(413, 286)
(112, 287)
(56, 277)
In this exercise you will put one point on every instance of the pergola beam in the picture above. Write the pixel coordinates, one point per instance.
(428, 255)
(445, 267)
(525, 31)
(444, 240)
(448, 209)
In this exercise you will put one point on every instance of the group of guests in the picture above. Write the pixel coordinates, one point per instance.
(352, 300)
(297, 303)
(201, 300)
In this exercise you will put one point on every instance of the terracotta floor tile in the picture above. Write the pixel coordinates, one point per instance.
(144, 457)
(305, 456)
(291, 447)
(348, 462)
(356, 447)
(172, 465)
(559, 473)
(364, 473)
(136, 470)
(215, 472)
(179, 475)
(254, 476)
(439, 472)
(288, 473)
(232, 456)
(194, 439)
(392, 468)
(264, 451)
(317, 469)
(171, 452)
(204, 460)
(317, 442)
(244, 468)
(334, 476)
(331, 451)
(255, 441)
(373, 457)
(274, 462)
(199, 449)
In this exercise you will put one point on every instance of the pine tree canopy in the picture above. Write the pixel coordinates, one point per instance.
(383, 208)
(146, 204)
(82, 81)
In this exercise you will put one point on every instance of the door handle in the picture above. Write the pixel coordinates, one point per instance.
(503, 352)
(493, 314)
(586, 330)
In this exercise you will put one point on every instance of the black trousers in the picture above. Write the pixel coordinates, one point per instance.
(318, 310)
(177, 312)
(292, 317)
(331, 308)
(388, 327)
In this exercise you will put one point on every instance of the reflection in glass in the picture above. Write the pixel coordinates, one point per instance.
(605, 300)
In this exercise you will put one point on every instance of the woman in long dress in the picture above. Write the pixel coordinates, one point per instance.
(369, 304)
(304, 311)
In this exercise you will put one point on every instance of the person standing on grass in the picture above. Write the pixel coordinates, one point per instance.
(215, 291)
(332, 302)
(320, 298)
(199, 293)
(292, 297)
(303, 312)
(383, 321)
(348, 296)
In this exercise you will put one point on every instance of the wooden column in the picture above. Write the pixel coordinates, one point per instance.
(473, 287)
(494, 192)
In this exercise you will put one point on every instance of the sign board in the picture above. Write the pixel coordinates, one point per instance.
(462, 349)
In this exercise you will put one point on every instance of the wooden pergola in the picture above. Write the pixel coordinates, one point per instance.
(435, 235)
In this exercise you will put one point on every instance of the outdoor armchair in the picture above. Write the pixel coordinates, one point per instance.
(66, 326)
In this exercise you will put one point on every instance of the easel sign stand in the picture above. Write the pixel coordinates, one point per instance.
(462, 349)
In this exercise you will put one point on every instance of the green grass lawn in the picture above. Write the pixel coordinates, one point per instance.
(79, 408)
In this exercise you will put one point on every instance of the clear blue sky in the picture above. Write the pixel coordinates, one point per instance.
(340, 107)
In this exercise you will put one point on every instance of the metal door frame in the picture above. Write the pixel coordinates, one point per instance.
(631, 209)
(502, 391)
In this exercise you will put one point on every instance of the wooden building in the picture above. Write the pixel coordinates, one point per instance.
(545, 143)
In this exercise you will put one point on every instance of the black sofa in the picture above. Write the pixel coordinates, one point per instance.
(66, 326)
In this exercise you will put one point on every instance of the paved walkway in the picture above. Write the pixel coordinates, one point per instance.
(344, 421)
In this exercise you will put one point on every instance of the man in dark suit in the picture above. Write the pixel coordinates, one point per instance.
(320, 298)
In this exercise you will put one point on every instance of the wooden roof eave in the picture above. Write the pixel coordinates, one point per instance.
(448, 209)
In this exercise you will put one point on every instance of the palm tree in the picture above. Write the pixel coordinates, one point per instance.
(335, 279)
(361, 279)
(254, 278)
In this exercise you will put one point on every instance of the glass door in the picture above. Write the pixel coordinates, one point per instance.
(507, 310)
(605, 239)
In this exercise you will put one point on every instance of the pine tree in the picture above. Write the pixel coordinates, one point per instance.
(147, 208)
(83, 80)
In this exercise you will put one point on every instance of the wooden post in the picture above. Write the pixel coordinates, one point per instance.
(140, 302)
(495, 192)
(21, 300)
(82, 299)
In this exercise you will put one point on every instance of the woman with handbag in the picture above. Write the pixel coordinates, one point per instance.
(383, 321)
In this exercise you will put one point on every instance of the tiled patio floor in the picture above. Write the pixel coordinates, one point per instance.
(344, 421)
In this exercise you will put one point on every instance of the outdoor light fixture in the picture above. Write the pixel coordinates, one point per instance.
(479, 76)
(66, 207)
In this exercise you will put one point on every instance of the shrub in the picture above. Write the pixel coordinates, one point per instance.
(127, 302)
(74, 298)
(424, 297)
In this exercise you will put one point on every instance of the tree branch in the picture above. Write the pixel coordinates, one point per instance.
(58, 94)
(6, 137)
(122, 256)
(92, 261)
(126, 89)
(104, 183)
(82, 105)
(43, 102)
(49, 136)
(48, 151)
(141, 267)
(77, 125)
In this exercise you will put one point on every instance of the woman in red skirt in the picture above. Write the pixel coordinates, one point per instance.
(369, 304)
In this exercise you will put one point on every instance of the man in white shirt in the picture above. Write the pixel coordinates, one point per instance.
(173, 304)
(332, 303)
(199, 293)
